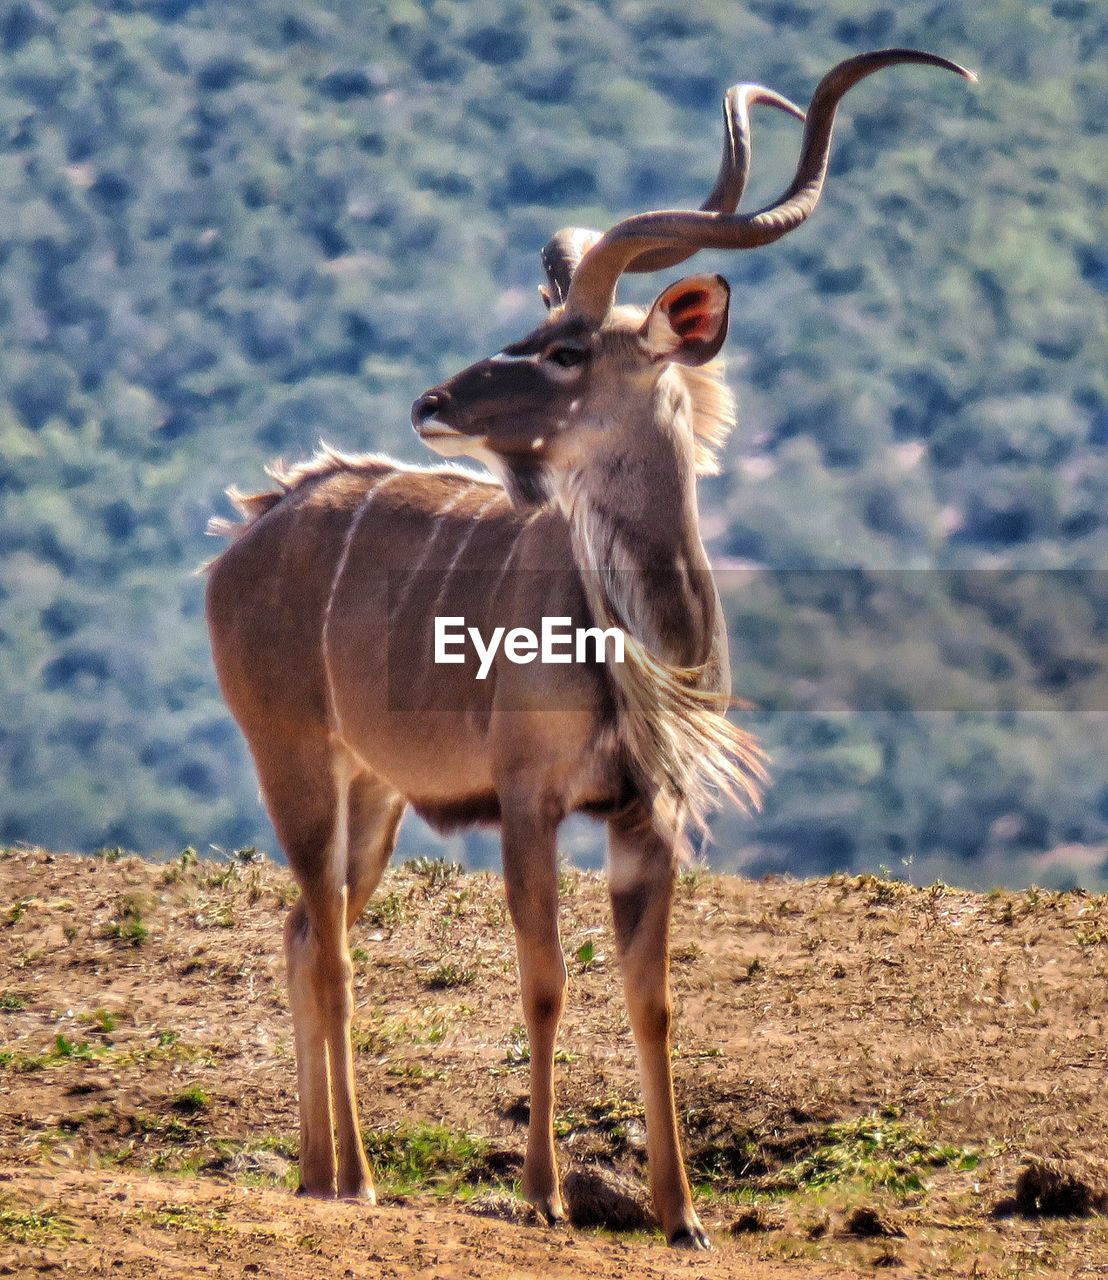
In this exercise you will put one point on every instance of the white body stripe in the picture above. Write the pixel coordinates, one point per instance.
(402, 597)
(348, 542)
(460, 550)
(511, 552)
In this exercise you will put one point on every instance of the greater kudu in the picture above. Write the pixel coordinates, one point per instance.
(321, 615)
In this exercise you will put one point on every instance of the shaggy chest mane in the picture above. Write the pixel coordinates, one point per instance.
(684, 752)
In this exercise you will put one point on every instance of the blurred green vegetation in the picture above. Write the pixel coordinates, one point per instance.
(230, 229)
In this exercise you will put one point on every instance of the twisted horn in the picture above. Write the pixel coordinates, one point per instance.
(592, 289)
(567, 247)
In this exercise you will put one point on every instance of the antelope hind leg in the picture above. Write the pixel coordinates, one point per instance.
(317, 1143)
(641, 879)
(306, 783)
(374, 813)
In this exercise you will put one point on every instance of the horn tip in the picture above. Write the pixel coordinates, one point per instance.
(758, 93)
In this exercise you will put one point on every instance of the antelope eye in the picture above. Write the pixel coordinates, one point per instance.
(566, 356)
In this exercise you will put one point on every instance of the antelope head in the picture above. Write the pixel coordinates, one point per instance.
(540, 404)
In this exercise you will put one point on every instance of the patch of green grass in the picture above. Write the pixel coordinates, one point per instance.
(878, 1151)
(585, 954)
(167, 1047)
(450, 974)
(286, 892)
(101, 1019)
(437, 873)
(110, 853)
(474, 1190)
(62, 1050)
(178, 869)
(185, 1152)
(518, 1052)
(218, 875)
(32, 1226)
(290, 1180)
(417, 1157)
(17, 911)
(686, 953)
(382, 1033)
(187, 1217)
(167, 1128)
(218, 918)
(1007, 913)
(388, 910)
(130, 930)
(457, 905)
(613, 1114)
(692, 876)
(375, 1039)
(287, 1145)
(406, 1071)
(618, 1125)
(170, 1051)
(885, 888)
(1086, 936)
(191, 1100)
(10, 1002)
(359, 955)
(722, 1165)
(127, 924)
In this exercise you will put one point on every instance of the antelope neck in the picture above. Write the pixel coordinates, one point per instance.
(633, 519)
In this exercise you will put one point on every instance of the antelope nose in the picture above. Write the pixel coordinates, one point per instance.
(428, 406)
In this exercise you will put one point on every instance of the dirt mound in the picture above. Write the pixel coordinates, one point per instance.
(753, 1221)
(602, 1198)
(867, 1223)
(1057, 1188)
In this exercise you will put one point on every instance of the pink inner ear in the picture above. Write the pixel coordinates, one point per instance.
(692, 317)
(685, 301)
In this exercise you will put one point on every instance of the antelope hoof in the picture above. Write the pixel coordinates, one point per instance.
(692, 1237)
(316, 1193)
(550, 1209)
(363, 1193)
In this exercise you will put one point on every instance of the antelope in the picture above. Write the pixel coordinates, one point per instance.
(321, 609)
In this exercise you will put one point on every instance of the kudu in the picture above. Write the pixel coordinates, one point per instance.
(321, 612)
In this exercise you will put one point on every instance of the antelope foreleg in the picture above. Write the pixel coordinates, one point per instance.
(643, 873)
(531, 883)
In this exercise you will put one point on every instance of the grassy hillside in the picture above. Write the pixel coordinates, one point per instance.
(230, 229)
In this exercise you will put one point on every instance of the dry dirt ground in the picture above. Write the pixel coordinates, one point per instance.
(865, 1072)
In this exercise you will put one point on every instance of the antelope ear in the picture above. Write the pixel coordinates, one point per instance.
(688, 321)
